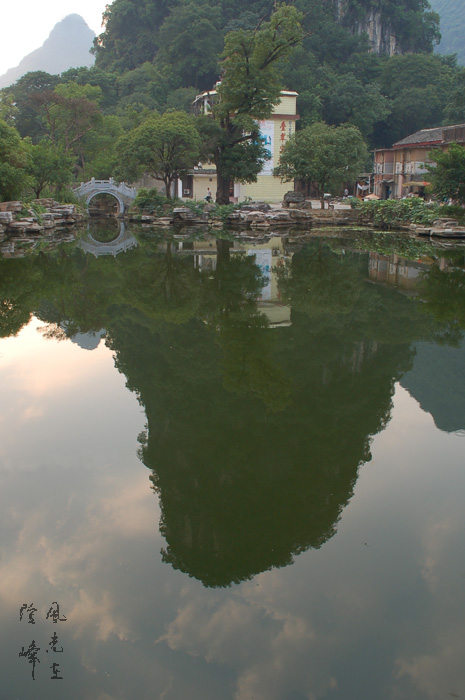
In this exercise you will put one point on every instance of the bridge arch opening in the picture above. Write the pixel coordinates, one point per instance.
(104, 205)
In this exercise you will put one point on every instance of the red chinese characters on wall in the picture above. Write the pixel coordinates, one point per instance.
(286, 133)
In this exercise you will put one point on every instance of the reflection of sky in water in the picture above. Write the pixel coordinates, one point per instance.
(377, 612)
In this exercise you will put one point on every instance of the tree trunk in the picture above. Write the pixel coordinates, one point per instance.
(222, 188)
(167, 182)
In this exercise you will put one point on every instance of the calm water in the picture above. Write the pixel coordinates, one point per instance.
(237, 469)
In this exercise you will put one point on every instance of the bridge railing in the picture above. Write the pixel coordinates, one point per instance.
(105, 186)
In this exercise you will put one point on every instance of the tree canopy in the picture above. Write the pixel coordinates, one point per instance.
(250, 87)
(13, 158)
(448, 175)
(164, 146)
(325, 156)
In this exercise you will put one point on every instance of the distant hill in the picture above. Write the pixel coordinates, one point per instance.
(67, 47)
(452, 14)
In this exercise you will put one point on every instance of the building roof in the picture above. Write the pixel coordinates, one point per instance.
(437, 135)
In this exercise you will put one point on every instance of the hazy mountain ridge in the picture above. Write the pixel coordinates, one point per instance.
(452, 13)
(67, 46)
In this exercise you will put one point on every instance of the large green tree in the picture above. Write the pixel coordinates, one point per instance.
(13, 158)
(69, 112)
(165, 147)
(25, 93)
(324, 156)
(448, 175)
(48, 165)
(249, 89)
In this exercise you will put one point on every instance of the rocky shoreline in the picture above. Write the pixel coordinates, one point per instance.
(46, 220)
(42, 219)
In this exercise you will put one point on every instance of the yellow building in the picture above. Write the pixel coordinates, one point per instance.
(276, 130)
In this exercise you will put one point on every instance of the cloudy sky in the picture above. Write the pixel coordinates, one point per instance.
(26, 25)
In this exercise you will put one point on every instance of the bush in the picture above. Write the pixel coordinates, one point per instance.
(150, 201)
(391, 213)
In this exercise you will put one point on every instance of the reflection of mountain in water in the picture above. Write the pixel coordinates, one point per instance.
(243, 488)
(255, 431)
(436, 381)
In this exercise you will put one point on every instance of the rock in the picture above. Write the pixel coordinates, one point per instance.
(281, 215)
(10, 206)
(6, 217)
(438, 223)
(293, 198)
(299, 215)
(252, 216)
(183, 214)
(163, 221)
(234, 217)
(255, 206)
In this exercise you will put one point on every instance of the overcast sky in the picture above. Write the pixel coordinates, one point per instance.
(26, 24)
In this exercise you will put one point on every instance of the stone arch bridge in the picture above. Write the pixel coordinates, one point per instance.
(123, 194)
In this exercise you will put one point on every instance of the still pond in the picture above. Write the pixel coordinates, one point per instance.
(233, 469)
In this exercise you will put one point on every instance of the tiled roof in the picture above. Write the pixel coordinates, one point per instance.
(439, 134)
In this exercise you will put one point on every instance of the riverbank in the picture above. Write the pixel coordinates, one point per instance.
(27, 223)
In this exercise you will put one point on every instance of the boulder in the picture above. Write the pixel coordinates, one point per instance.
(10, 206)
(255, 206)
(293, 198)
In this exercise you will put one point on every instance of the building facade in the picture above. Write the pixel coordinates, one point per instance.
(276, 131)
(400, 170)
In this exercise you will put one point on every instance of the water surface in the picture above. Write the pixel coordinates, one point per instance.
(237, 466)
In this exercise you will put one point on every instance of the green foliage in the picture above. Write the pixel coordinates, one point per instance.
(391, 213)
(106, 81)
(130, 35)
(326, 156)
(150, 201)
(251, 80)
(69, 113)
(249, 89)
(417, 87)
(454, 111)
(164, 146)
(190, 40)
(448, 175)
(348, 100)
(48, 165)
(155, 55)
(13, 159)
(27, 94)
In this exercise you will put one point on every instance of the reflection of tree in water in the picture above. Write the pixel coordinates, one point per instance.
(254, 435)
(242, 488)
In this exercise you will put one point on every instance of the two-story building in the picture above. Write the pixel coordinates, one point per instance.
(276, 131)
(400, 170)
